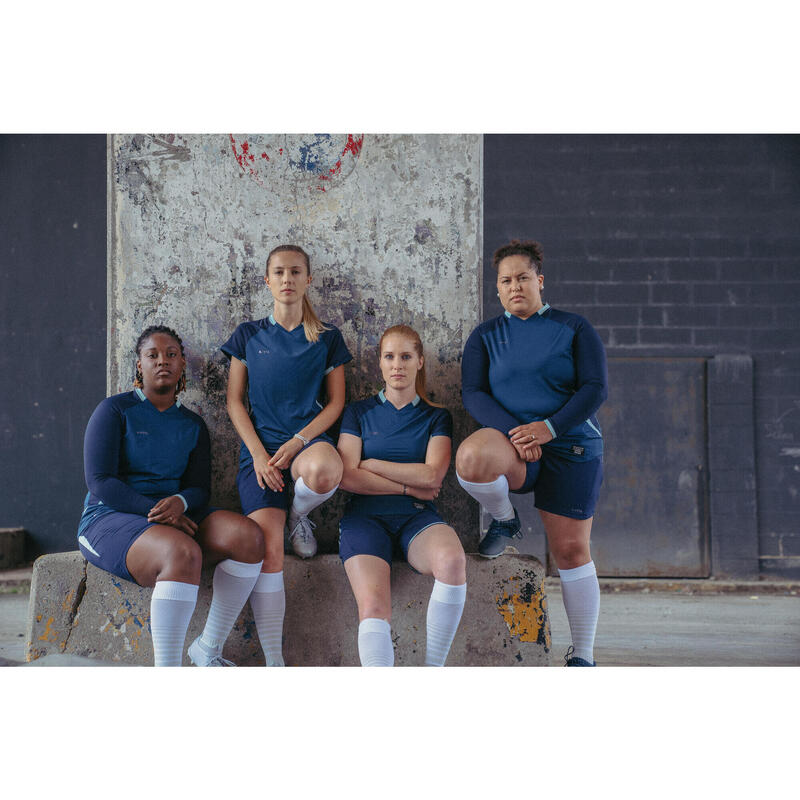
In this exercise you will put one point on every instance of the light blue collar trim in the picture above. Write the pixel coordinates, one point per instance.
(382, 398)
(271, 320)
(539, 312)
(142, 396)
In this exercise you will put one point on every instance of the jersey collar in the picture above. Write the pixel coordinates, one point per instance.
(382, 398)
(539, 312)
(142, 396)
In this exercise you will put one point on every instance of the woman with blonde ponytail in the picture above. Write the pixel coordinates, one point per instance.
(283, 365)
(395, 447)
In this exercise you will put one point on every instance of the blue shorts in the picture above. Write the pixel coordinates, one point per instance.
(253, 497)
(106, 540)
(564, 487)
(382, 535)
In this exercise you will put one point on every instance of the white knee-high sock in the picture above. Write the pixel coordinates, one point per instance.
(375, 647)
(306, 500)
(492, 496)
(444, 614)
(171, 608)
(268, 602)
(233, 582)
(581, 592)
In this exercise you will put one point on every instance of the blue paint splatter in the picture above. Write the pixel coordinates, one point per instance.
(313, 155)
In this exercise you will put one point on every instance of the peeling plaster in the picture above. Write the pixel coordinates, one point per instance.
(395, 237)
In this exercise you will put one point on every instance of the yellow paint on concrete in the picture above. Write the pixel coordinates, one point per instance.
(525, 619)
(67, 604)
(49, 635)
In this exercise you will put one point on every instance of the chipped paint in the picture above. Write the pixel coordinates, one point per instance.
(523, 606)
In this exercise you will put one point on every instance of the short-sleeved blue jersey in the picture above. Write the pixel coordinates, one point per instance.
(134, 455)
(393, 434)
(551, 367)
(284, 374)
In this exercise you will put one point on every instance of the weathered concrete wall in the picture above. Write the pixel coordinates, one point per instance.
(393, 227)
(77, 609)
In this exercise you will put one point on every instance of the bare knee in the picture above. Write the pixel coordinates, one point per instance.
(450, 566)
(183, 561)
(373, 608)
(571, 554)
(248, 542)
(472, 462)
(273, 553)
(322, 475)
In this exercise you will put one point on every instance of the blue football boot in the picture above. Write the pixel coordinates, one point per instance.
(498, 536)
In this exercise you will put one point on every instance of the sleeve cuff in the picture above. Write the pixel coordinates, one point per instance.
(551, 428)
(185, 504)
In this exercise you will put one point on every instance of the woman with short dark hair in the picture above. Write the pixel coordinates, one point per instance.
(533, 378)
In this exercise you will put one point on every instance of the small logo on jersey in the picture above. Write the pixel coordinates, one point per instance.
(419, 506)
(263, 352)
(142, 433)
(578, 450)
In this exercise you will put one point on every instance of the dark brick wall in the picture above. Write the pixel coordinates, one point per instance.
(680, 245)
(53, 323)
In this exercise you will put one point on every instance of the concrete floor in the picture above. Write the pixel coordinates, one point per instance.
(650, 628)
(670, 630)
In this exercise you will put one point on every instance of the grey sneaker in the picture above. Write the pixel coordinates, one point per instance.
(301, 536)
(498, 536)
(200, 658)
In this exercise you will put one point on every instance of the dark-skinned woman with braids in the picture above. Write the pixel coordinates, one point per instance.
(146, 517)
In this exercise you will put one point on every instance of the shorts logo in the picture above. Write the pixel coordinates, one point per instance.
(576, 510)
(142, 433)
(578, 450)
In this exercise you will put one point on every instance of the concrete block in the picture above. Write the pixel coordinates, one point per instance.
(12, 547)
(77, 609)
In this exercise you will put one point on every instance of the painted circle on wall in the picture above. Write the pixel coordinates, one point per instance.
(319, 161)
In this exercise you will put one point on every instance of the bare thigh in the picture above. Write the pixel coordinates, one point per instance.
(370, 579)
(486, 455)
(271, 522)
(568, 539)
(437, 551)
(163, 553)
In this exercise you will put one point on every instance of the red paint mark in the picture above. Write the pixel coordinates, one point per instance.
(352, 146)
(240, 158)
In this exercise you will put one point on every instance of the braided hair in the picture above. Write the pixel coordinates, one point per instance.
(138, 381)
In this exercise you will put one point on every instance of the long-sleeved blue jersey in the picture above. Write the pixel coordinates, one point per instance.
(134, 455)
(551, 367)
